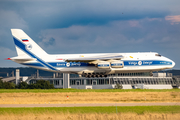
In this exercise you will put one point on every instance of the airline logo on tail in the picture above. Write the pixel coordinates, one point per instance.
(28, 46)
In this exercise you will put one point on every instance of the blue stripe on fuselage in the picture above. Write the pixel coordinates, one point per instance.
(62, 64)
(146, 63)
(81, 64)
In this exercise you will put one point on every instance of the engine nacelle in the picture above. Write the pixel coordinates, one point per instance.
(117, 64)
(103, 65)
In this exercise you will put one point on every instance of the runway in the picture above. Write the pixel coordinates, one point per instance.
(86, 105)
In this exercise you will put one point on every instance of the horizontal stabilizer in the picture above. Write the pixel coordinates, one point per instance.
(22, 60)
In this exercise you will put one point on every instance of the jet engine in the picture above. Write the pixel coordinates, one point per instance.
(103, 65)
(117, 64)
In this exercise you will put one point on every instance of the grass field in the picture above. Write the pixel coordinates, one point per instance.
(93, 113)
(39, 96)
(99, 110)
(59, 96)
(84, 90)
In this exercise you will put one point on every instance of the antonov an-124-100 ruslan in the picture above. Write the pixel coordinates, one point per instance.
(89, 65)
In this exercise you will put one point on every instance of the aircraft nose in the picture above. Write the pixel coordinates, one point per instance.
(173, 63)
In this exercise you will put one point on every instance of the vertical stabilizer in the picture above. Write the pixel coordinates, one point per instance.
(25, 46)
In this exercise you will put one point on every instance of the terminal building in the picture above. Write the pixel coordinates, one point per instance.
(126, 80)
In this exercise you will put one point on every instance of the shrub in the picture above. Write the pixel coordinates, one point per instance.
(32, 86)
(8, 85)
(1, 84)
(118, 86)
(23, 85)
(41, 84)
(44, 84)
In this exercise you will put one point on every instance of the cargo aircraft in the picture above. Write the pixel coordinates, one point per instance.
(89, 65)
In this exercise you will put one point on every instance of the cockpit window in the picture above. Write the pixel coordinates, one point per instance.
(158, 55)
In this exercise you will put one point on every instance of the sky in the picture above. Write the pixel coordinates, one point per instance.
(92, 26)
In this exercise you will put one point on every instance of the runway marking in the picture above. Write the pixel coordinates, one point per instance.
(88, 105)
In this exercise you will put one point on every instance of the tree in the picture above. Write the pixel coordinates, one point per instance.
(1, 84)
(44, 84)
(41, 84)
(8, 85)
(23, 85)
(32, 86)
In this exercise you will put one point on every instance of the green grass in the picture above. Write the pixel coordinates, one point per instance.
(111, 109)
(84, 90)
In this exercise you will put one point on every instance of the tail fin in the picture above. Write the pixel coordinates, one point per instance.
(25, 46)
(28, 50)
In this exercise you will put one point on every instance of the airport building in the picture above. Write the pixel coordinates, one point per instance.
(126, 80)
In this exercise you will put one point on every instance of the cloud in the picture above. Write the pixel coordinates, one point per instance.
(6, 53)
(152, 19)
(134, 23)
(173, 19)
(137, 35)
(92, 38)
(62, 14)
(10, 19)
(49, 42)
(88, 26)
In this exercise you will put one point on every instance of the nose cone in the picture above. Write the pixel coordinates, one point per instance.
(173, 64)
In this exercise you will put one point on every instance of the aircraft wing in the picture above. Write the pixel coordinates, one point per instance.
(92, 59)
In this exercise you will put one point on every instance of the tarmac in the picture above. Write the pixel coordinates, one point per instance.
(86, 105)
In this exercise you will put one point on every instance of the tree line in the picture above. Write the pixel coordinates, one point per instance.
(40, 84)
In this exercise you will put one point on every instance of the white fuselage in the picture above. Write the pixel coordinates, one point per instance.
(133, 62)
